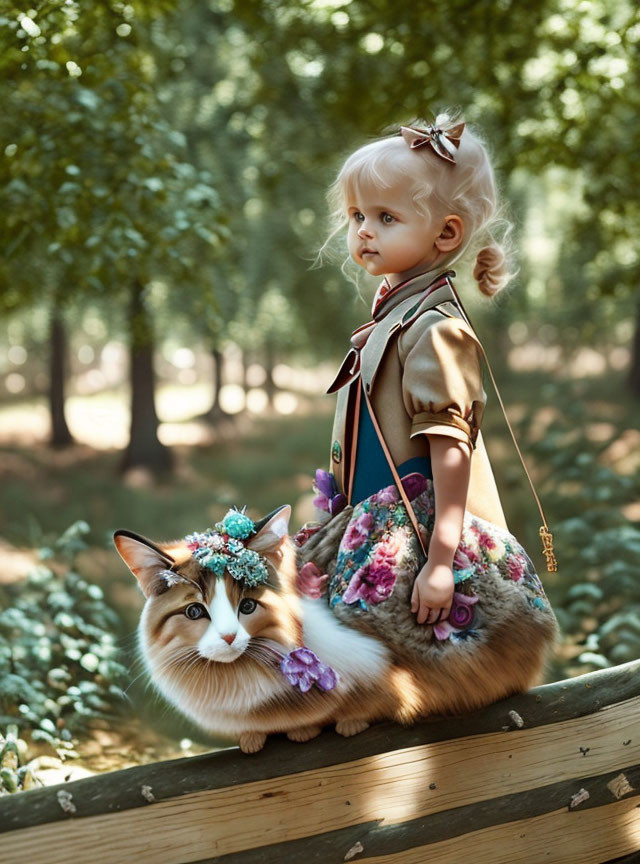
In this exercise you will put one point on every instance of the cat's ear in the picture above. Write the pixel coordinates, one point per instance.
(145, 560)
(271, 530)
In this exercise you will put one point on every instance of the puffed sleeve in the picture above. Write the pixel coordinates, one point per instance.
(442, 377)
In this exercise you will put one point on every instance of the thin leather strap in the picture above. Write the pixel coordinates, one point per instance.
(545, 534)
(410, 511)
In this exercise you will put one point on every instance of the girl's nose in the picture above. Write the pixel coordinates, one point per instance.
(363, 231)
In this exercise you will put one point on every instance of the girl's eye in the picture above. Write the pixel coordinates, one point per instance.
(194, 611)
(247, 606)
(358, 217)
(387, 218)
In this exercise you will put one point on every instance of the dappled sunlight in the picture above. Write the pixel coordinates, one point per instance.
(102, 420)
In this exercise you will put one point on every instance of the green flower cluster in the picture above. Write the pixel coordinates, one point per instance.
(220, 549)
(236, 524)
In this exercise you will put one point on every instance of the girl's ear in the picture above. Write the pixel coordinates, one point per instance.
(451, 235)
(145, 560)
(271, 530)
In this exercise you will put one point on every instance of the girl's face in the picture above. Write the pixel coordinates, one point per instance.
(388, 236)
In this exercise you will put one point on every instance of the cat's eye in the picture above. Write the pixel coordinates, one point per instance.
(247, 606)
(194, 611)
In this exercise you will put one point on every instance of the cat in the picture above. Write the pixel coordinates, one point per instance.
(231, 641)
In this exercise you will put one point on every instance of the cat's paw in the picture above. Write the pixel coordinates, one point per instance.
(251, 742)
(347, 728)
(304, 733)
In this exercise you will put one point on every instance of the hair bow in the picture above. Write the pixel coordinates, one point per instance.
(443, 142)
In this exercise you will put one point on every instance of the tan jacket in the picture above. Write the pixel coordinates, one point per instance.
(420, 363)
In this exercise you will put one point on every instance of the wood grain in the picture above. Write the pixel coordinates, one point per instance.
(560, 837)
(386, 788)
(120, 790)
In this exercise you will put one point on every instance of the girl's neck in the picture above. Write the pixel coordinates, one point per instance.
(395, 279)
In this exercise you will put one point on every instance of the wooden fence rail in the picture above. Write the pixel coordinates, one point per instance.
(552, 775)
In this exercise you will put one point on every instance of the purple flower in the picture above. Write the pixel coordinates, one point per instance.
(357, 532)
(372, 583)
(461, 613)
(326, 483)
(302, 669)
(328, 497)
(414, 484)
(388, 495)
(460, 616)
(337, 504)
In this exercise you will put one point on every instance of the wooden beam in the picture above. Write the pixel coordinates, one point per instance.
(120, 790)
(397, 786)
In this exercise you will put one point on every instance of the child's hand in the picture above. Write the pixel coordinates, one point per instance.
(433, 593)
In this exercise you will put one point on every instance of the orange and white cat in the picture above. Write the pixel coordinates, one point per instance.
(215, 646)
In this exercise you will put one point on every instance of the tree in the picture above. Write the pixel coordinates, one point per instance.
(96, 191)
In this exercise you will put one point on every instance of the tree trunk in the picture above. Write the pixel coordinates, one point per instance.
(634, 371)
(269, 384)
(216, 412)
(60, 435)
(144, 449)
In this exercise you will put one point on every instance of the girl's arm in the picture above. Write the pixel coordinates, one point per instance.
(433, 589)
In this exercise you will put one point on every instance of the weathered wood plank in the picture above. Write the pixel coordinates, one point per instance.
(396, 786)
(120, 790)
(559, 837)
(390, 839)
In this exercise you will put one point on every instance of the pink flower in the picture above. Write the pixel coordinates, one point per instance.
(471, 554)
(321, 502)
(516, 567)
(310, 581)
(442, 630)
(307, 530)
(461, 560)
(357, 532)
(387, 551)
(486, 540)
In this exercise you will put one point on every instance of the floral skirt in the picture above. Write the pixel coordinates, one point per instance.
(372, 557)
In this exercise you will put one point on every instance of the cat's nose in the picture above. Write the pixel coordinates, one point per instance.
(229, 637)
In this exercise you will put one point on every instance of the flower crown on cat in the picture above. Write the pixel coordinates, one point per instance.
(221, 549)
(235, 545)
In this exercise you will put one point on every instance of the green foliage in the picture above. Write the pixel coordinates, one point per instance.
(98, 191)
(14, 775)
(58, 658)
(598, 549)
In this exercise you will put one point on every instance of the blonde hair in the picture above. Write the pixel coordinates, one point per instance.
(466, 188)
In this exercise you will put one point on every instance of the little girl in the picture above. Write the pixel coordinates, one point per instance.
(411, 398)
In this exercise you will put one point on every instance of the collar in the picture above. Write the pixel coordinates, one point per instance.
(387, 297)
(401, 310)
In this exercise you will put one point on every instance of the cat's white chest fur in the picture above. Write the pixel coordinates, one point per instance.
(356, 658)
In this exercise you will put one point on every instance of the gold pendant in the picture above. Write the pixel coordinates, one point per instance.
(547, 549)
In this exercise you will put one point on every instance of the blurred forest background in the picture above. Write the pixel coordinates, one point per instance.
(166, 344)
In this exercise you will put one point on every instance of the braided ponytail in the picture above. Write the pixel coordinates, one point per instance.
(491, 270)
